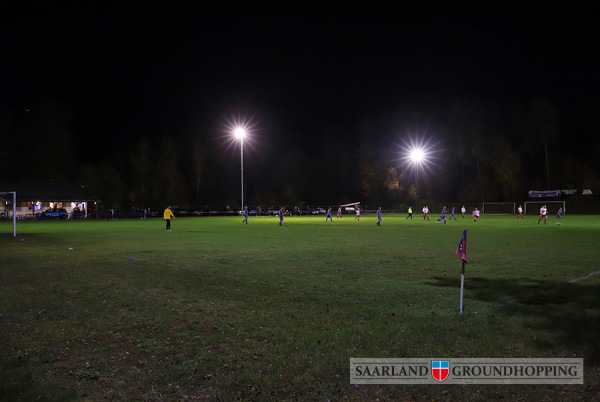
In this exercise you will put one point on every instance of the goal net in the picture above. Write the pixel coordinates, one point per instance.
(533, 207)
(498, 208)
(8, 202)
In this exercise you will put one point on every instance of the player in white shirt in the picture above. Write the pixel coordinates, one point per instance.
(543, 214)
(425, 212)
(520, 211)
(475, 215)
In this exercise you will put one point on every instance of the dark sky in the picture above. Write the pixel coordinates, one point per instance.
(179, 68)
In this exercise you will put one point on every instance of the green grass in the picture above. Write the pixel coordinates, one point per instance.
(220, 310)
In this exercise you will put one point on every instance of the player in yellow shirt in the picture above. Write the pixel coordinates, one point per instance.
(167, 215)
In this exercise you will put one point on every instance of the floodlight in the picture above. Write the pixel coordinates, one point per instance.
(240, 129)
(240, 132)
(417, 155)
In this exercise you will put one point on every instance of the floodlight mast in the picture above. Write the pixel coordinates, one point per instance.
(240, 133)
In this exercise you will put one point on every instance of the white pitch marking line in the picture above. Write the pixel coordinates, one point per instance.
(583, 277)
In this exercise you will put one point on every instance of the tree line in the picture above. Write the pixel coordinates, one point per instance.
(478, 150)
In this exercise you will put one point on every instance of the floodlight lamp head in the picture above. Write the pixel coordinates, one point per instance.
(240, 133)
(417, 155)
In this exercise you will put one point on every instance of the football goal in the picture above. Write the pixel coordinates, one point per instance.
(533, 207)
(498, 208)
(10, 198)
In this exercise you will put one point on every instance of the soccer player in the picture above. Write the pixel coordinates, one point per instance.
(559, 214)
(167, 215)
(409, 213)
(328, 215)
(339, 213)
(245, 214)
(280, 216)
(357, 217)
(463, 210)
(543, 214)
(453, 213)
(442, 216)
(520, 212)
(426, 212)
(475, 215)
(379, 216)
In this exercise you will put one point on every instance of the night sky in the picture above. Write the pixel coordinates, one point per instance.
(128, 71)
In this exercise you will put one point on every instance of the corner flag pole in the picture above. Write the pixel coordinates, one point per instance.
(462, 285)
(461, 251)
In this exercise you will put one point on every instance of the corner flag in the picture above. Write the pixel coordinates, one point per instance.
(461, 250)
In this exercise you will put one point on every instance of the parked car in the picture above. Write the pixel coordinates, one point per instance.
(52, 213)
(315, 211)
(177, 211)
(199, 210)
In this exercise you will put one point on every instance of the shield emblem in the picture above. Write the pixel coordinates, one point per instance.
(440, 369)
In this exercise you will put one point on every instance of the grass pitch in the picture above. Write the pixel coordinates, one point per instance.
(221, 310)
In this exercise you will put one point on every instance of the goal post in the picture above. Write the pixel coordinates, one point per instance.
(498, 208)
(6, 197)
(534, 206)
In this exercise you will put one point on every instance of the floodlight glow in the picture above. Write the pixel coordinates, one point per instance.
(417, 155)
(240, 132)
(239, 129)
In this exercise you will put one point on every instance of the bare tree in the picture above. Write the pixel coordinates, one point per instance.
(393, 182)
(506, 165)
(142, 160)
(470, 126)
(541, 125)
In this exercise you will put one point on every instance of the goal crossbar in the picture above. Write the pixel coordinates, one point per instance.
(537, 204)
(505, 208)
